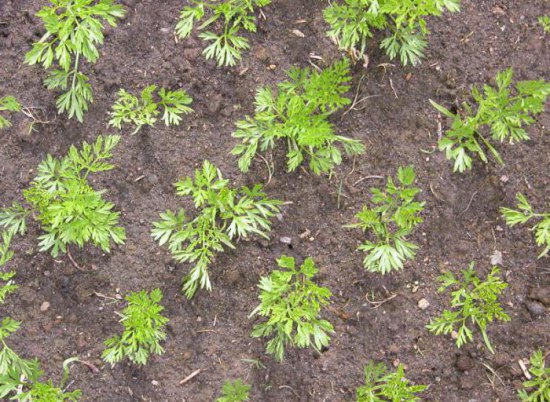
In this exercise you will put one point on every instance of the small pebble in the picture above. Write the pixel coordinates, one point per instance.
(423, 304)
(44, 306)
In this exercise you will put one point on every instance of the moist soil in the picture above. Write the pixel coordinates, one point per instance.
(212, 331)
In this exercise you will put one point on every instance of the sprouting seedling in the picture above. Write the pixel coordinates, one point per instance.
(390, 221)
(233, 15)
(524, 214)
(74, 29)
(506, 112)
(19, 377)
(236, 391)
(353, 22)
(291, 302)
(537, 389)
(297, 113)
(69, 210)
(474, 302)
(382, 385)
(144, 330)
(544, 21)
(144, 111)
(225, 214)
(10, 104)
(8, 287)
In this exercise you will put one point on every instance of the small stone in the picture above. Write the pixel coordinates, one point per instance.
(199, 319)
(423, 304)
(44, 306)
(496, 258)
(536, 309)
(261, 53)
(285, 240)
(155, 383)
(504, 179)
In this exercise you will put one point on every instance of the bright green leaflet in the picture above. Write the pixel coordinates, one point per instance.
(504, 111)
(74, 29)
(525, 213)
(391, 220)
(353, 22)
(233, 15)
(537, 389)
(144, 330)
(10, 104)
(291, 302)
(382, 385)
(297, 113)
(473, 302)
(128, 109)
(225, 214)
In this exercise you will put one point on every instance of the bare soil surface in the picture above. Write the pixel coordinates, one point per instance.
(212, 331)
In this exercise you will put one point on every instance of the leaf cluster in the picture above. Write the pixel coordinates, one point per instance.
(544, 21)
(233, 15)
(19, 378)
(10, 104)
(68, 209)
(353, 22)
(9, 287)
(383, 386)
(236, 391)
(292, 303)
(525, 213)
(298, 112)
(538, 388)
(391, 220)
(505, 111)
(473, 302)
(144, 329)
(143, 111)
(225, 214)
(74, 30)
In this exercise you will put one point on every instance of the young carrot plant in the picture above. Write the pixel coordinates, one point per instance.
(298, 113)
(537, 389)
(74, 29)
(9, 104)
(544, 21)
(128, 109)
(64, 203)
(353, 22)
(225, 214)
(8, 287)
(236, 391)
(233, 15)
(292, 303)
(391, 220)
(525, 213)
(506, 112)
(381, 385)
(473, 302)
(144, 330)
(19, 378)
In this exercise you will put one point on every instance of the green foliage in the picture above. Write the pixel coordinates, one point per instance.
(224, 214)
(232, 15)
(381, 385)
(292, 302)
(298, 112)
(140, 112)
(539, 385)
(19, 377)
(143, 329)
(392, 219)
(10, 104)
(505, 112)
(236, 391)
(473, 301)
(68, 209)
(544, 21)
(9, 287)
(524, 214)
(353, 22)
(74, 29)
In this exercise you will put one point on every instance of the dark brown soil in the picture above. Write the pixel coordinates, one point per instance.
(211, 332)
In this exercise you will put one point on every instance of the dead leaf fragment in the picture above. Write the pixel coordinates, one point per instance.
(298, 33)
